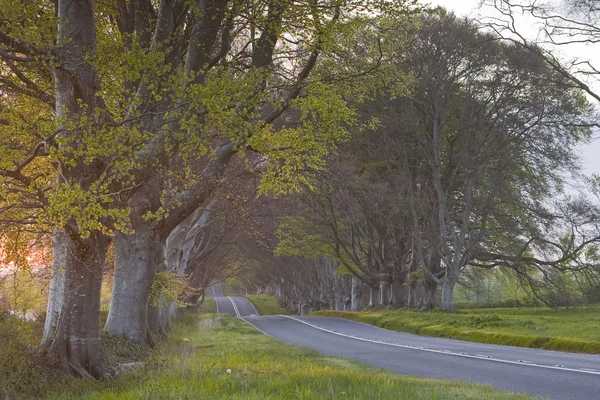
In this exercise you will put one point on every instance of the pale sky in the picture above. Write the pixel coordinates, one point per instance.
(590, 154)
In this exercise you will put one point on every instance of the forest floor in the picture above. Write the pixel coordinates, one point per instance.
(573, 330)
(207, 356)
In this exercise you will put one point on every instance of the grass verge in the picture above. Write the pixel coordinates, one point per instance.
(225, 358)
(574, 330)
(228, 289)
(208, 305)
(267, 304)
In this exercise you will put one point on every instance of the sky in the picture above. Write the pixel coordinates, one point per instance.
(589, 153)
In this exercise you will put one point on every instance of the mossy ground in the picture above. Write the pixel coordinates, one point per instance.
(574, 330)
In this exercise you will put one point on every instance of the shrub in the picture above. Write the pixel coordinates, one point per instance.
(23, 370)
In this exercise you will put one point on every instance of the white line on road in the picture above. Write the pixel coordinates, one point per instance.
(519, 362)
(252, 304)
(237, 312)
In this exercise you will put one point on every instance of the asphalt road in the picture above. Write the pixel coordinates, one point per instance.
(552, 374)
(555, 375)
(233, 305)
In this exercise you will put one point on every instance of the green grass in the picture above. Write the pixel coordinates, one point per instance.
(224, 358)
(208, 306)
(228, 289)
(267, 304)
(574, 330)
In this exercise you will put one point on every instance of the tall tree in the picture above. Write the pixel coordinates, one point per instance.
(149, 102)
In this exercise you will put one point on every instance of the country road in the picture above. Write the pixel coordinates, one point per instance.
(233, 305)
(556, 375)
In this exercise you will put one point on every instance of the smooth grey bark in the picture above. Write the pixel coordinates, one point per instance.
(448, 291)
(57, 282)
(371, 294)
(135, 264)
(391, 295)
(383, 294)
(339, 293)
(356, 298)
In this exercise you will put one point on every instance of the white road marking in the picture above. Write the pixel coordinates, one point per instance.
(256, 327)
(518, 362)
(237, 312)
(255, 309)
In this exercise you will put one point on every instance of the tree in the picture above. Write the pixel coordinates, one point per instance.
(149, 102)
(560, 23)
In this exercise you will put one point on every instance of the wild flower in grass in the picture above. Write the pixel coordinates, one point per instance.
(228, 371)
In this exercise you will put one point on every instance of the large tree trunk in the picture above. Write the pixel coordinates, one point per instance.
(56, 294)
(135, 263)
(448, 292)
(156, 316)
(338, 292)
(383, 294)
(356, 302)
(428, 289)
(72, 335)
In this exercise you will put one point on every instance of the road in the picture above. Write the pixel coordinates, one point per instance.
(233, 305)
(556, 375)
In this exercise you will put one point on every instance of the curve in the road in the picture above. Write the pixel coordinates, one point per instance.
(510, 368)
(233, 305)
(534, 353)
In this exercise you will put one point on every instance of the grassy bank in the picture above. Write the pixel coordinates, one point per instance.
(209, 358)
(267, 304)
(575, 330)
(228, 290)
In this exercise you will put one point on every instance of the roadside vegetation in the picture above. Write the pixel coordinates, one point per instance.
(574, 330)
(228, 290)
(225, 358)
(267, 304)
(215, 358)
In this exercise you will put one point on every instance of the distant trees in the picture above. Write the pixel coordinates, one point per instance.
(462, 169)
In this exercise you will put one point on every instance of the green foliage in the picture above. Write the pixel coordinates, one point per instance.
(169, 287)
(24, 292)
(296, 237)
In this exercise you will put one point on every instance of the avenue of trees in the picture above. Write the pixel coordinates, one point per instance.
(337, 154)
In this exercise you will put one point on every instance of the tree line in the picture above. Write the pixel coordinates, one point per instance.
(330, 152)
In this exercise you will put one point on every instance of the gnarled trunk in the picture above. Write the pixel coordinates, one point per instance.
(72, 332)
